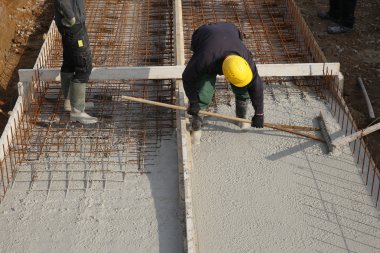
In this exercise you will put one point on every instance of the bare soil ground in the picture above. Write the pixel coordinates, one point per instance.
(24, 22)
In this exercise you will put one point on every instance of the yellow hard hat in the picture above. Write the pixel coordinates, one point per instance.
(237, 70)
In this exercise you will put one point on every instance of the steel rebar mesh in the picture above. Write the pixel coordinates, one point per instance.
(124, 141)
(122, 33)
(270, 30)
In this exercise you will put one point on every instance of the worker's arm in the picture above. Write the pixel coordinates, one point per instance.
(191, 81)
(67, 10)
(256, 93)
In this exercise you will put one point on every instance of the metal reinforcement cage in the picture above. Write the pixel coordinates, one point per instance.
(140, 49)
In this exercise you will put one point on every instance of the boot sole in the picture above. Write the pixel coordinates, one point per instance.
(84, 121)
(88, 105)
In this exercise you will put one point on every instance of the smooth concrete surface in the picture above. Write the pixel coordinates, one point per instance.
(123, 213)
(261, 190)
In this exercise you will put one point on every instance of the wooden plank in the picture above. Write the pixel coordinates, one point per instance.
(298, 69)
(109, 73)
(185, 156)
(175, 72)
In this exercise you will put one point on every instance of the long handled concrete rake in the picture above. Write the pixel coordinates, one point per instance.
(285, 128)
(344, 140)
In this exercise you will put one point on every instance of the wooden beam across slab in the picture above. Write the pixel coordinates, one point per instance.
(175, 72)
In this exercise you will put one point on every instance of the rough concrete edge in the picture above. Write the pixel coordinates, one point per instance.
(185, 157)
(185, 163)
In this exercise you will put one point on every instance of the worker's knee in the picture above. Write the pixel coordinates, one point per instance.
(241, 93)
(206, 90)
(83, 65)
(81, 77)
(242, 97)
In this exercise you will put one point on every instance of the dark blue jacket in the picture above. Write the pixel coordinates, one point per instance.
(69, 9)
(210, 44)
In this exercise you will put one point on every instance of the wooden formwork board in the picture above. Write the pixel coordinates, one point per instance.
(185, 157)
(175, 72)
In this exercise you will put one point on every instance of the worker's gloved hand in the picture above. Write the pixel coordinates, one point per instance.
(258, 121)
(193, 108)
(68, 22)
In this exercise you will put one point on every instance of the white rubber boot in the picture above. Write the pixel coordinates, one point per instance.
(77, 100)
(82, 117)
(196, 137)
(67, 105)
(244, 125)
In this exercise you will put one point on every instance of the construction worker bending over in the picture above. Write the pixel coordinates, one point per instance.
(218, 49)
(77, 59)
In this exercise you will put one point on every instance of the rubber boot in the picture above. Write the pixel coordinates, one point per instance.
(67, 105)
(241, 112)
(65, 86)
(196, 125)
(77, 99)
(196, 137)
(196, 122)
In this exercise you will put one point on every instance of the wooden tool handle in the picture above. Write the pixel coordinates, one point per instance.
(285, 128)
(359, 134)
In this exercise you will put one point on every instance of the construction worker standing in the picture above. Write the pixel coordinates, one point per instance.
(77, 59)
(218, 49)
(341, 12)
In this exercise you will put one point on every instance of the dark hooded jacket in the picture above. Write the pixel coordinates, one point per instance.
(211, 44)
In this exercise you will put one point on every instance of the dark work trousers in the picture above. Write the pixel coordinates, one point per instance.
(343, 11)
(207, 88)
(77, 57)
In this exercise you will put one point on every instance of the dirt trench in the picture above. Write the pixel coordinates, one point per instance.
(23, 24)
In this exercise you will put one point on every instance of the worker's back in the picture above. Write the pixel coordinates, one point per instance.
(211, 43)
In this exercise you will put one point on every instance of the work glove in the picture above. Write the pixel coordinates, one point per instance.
(68, 22)
(193, 108)
(258, 121)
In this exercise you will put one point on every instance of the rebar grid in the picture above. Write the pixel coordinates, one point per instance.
(269, 31)
(124, 141)
(274, 31)
(115, 116)
(362, 155)
(122, 33)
